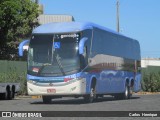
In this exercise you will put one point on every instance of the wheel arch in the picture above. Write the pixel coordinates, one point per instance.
(8, 88)
(13, 88)
(132, 82)
(127, 81)
(93, 82)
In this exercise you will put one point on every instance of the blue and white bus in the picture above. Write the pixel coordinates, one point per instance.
(81, 59)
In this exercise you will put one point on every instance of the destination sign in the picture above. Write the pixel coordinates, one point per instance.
(69, 35)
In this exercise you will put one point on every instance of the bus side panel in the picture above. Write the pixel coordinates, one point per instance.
(111, 57)
(111, 73)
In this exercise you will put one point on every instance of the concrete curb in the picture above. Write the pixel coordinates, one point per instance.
(147, 93)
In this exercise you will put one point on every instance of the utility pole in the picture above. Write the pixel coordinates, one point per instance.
(117, 15)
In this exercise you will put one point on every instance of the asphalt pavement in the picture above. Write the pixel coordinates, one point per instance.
(108, 103)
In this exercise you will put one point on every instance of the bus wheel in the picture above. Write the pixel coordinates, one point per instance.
(13, 92)
(10, 94)
(91, 97)
(127, 93)
(46, 99)
(7, 94)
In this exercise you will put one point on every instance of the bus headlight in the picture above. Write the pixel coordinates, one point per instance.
(32, 81)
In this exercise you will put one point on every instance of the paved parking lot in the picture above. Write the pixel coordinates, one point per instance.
(108, 103)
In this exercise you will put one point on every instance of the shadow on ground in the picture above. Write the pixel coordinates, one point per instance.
(77, 101)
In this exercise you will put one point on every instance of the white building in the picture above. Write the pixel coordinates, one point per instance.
(43, 18)
(150, 62)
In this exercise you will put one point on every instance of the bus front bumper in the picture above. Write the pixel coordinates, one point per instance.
(73, 87)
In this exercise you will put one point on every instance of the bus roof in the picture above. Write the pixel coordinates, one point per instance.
(66, 27)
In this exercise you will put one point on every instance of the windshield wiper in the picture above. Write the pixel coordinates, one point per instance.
(59, 64)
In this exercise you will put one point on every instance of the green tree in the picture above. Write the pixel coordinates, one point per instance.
(151, 82)
(17, 18)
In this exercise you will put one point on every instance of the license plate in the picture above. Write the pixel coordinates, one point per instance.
(51, 90)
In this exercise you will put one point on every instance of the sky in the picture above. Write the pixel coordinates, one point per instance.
(139, 19)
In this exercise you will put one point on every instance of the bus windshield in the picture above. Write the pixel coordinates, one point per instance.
(53, 55)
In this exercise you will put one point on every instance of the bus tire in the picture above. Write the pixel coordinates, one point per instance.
(91, 97)
(10, 94)
(127, 92)
(13, 92)
(123, 96)
(46, 99)
(5, 96)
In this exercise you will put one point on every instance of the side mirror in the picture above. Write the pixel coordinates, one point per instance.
(83, 52)
(81, 45)
(20, 48)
